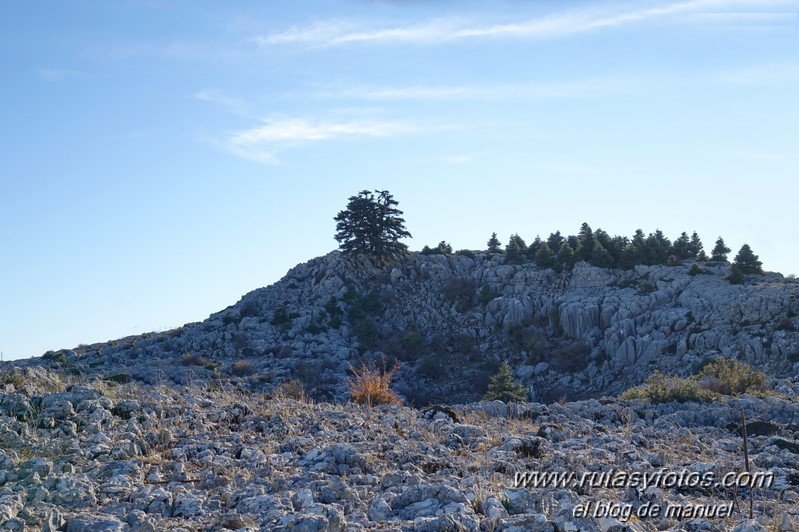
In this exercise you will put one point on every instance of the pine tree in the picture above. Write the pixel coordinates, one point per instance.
(532, 249)
(555, 240)
(494, 246)
(587, 241)
(631, 256)
(600, 257)
(565, 257)
(656, 248)
(736, 275)
(682, 247)
(371, 226)
(719, 252)
(544, 257)
(444, 248)
(515, 250)
(504, 387)
(747, 262)
(695, 245)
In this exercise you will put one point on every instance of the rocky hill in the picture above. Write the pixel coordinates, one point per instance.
(206, 427)
(450, 320)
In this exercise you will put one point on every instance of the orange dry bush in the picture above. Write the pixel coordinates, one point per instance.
(369, 386)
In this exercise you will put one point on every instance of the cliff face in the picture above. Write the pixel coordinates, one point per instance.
(449, 320)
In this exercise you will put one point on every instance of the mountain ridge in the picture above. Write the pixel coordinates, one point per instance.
(450, 320)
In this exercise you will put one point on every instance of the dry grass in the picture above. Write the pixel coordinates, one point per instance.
(370, 386)
(293, 389)
(242, 368)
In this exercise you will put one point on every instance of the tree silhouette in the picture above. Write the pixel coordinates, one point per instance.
(515, 250)
(371, 226)
(719, 251)
(494, 244)
(747, 262)
(695, 246)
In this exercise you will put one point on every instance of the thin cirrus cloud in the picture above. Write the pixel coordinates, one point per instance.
(518, 91)
(263, 143)
(555, 25)
(234, 105)
(57, 74)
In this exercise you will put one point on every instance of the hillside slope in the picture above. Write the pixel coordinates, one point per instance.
(450, 320)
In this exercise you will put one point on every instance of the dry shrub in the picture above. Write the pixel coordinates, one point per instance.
(193, 359)
(242, 368)
(370, 386)
(292, 389)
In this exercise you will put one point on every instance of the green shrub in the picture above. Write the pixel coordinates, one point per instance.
(432, 367)
(646, 288)
(335, 313)
(460, 291)
(695, 269)
(660, 388)
(728, 376)
(736, 275)
(486, 295)
(571, 358)
(119, 378)
(723, 376)
(366, 306)
(281, 319)
(61, 358)
(249, 309)
(16, 378)
(412, 344)
(314, 328)
(368, 334)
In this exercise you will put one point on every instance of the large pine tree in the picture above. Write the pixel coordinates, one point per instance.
(682, 247)
(565, 258)
(747, 262)
(515, 250)
(372, 226)
(695, 246)
(720, 251)
(494, 245)
(544, 257)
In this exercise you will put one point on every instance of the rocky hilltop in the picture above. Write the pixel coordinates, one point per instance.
(450, 320)
(207, 428)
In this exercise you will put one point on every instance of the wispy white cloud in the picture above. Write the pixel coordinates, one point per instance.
(518, 91)
(264, 142)
(744, 19)
(235, 105)
(560, 24)
(57, 74)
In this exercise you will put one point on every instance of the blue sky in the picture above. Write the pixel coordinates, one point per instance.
(162, 158)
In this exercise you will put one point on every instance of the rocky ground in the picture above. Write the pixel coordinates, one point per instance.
(197, 429)
(91, 455)
(451, 320)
